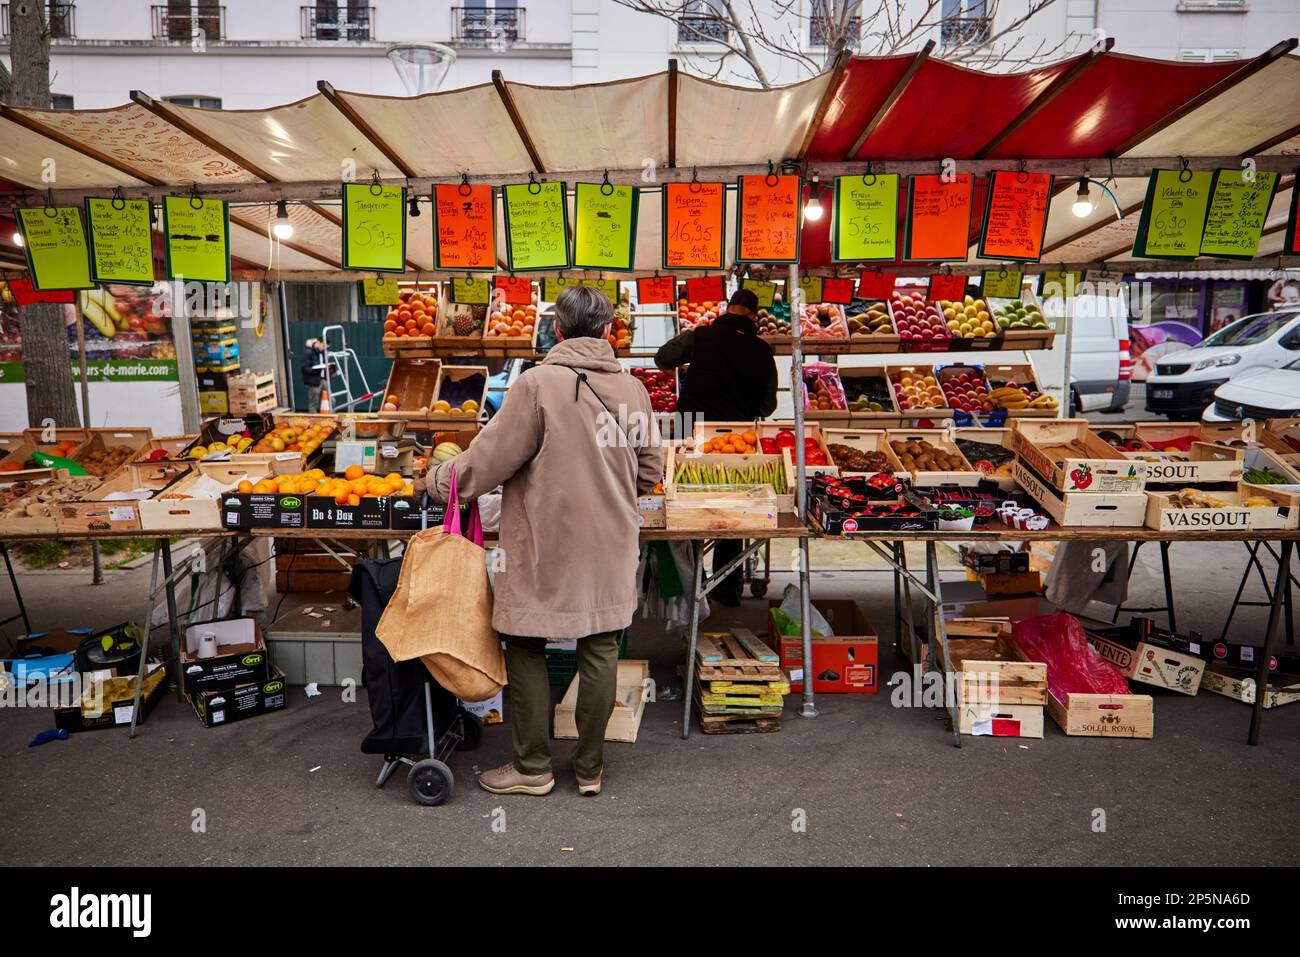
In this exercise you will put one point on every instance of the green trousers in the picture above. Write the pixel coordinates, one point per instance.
(530, 701)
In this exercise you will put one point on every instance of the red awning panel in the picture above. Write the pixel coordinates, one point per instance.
(865, 86)
(1110, 103)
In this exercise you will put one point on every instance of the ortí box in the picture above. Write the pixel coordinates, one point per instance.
(1152, 656)
(491, 711)
(325, 512)
(242, 701)
(650, 511)
(261, 510)
(240, 659)
(845, 663)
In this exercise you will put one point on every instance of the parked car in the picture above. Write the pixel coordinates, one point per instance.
(1101, 368)
(1263, 394)
(503, 380)
(1186, 382)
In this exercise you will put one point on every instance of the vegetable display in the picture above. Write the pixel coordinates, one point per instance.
(662, 386)
(1264, 476)
(968, 319)
(714, 475)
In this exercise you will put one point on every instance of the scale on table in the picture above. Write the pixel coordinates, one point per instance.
(377, 445)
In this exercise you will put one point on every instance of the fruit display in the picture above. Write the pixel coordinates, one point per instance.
(1015, 391)
(464, 321)
(1123, 443)
(350, 489)
(735, 443)
(1017, 316)
(918, 455)
(869, 317)
(662, 386)
(460, 395)
(1195, 498)
(813, 454)
(774, 320)
(692, 314)
(414, 315)
(14, 491)
(867, 393)
(822, 320)
(823, 391)
(987, 458)
(509, 321)
(234, 444)
(713, 474)
(620, 329)
(968, 319)
(40, 501)
(445, 452)
(290, 436)
(63, 448)
(916, 389)
(1264, 476)
(918, 320)
(859, 460)
(104, 462)
(965, 388)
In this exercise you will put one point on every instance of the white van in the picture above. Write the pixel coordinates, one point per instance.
(1185, 382)
(1101, 369)
(1263, 394)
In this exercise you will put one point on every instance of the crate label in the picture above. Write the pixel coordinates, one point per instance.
(122, 713)
(121, 513)
(286, 456)
(1181, 519)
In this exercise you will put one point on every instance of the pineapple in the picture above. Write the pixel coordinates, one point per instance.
(462, 323)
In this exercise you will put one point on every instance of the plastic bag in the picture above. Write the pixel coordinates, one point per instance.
(1073, 666)
(823, 380)
(788, 615)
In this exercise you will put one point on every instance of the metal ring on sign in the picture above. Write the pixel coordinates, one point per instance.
(1022, 176)
(695, 186)
(945, 269)
(870, 172)
(1184, 174)
(464, 188)
(771, 179)
(534, 187)
(606, 187)
(380, 280)
(196, 201)
(376, 187)
(1002, 273)
(118, 198)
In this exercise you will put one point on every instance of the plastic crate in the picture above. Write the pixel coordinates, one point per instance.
(562, 665)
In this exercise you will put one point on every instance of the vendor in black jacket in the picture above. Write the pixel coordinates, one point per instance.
(311, 364)
(732, 378)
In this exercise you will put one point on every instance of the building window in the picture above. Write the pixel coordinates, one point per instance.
(202, 102)
(61, 101)
(1208, 54)
(703, 21)
(59, 18)
(481, 21)
(332, 20)
(187, 19)
(817, 29)
(964, 23)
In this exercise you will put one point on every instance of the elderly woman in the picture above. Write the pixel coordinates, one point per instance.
(572, 447)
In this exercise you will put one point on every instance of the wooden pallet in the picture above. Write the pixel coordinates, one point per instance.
(737, 657)
(738, 724)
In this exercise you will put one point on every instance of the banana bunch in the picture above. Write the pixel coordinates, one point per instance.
(101, 310)
(1195, 498)
(1008, 397)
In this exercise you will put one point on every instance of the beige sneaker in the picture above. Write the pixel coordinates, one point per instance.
(507, 779)
(589, 788)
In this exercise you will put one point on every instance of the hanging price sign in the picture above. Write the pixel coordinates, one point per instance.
(764, 290)
(121, 240)
(1173, 216)
(876, 285)
(537, 226)
(653, 290)
(694, 225)
(471, 291)
(812, 288)
(516, 291)
(706, 289)
(197, 238)
(379, 292)
(837, 291)
(1237, 211)
(55, 243)
(1059, 283)
(1001, 283)
(25, 293)
(604, 226)
(950, 287)
(866, 218)
(374, 227)
(464, 227)
(767, 219)
(938, 217)
(1015, 216)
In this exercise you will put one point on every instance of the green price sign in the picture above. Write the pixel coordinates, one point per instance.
(1173, 216)
(379, 292)
(471, 291)
(537, 226)
(197, 238)
(1059, 283)
(1238, 209)
(121, 242)
(604, 226)
(812, 288)
(608, 286)
(553, 286)
(55, 243)
(866, 218)
(1001, 283)
(374, 227)
(764, 290)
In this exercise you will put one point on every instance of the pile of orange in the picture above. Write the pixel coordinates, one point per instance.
(414, 315)
(620, 336)
(734, 443)
(355, 485)
(64, 448)
(512, 321)
(692, 314)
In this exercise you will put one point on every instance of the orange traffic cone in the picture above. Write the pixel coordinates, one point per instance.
(324, 399)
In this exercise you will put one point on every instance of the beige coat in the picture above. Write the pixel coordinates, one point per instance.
(569, 527)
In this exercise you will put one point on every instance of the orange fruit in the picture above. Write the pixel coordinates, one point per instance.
(245, 486)
(750, 438)
(390, 325)
(354, 499)
(427, 329)
(354, 472)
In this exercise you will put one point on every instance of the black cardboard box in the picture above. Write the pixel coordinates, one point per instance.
(245, 510)
(241, 656)
(1151, 655)
(118, 704)
(324, 512)
(242, 701)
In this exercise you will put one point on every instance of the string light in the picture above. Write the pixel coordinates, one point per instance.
(812, 210)
(413, 208)
(283, 229)
(18, 238)
(1082, 202)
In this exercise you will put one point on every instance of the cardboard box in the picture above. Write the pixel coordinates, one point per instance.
(242, 701)
(1011, 583)
(1152, 656)
(846, 663)
(241, 656)
(491, 711)
(323, 511)
(118, 703)
(650, 511)
(1239, 683)
(243, 510)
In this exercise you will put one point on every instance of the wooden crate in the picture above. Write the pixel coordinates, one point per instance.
(251, 392)
(821, 415)
(942, 439)
(1078, 509)
(173, 446)
(97, 513)
(182, 506)
(1152, 664)
(1260, 456)
(1069, 456)
(27, 516)
(888, 417)
(409, 347)
(1103, 716)
(1239, 683)
(101, 440)
(446, 338)
(447, 376)
(875, 440)
(727, 507)
(18, 453)
(1274, 438)
(997, 672)
(915, 412)
(1019, 373)
(41, 441)
(412, 384)
(878, 342)
(1284, 513)
(1206, 463)
(1000, 437)
(633, 691)
(502, 345)
(983, 718)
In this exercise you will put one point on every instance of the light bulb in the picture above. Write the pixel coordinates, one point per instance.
(283, 229)
(413, 208)
(1082, 202)
(18, 238)
(812, 210)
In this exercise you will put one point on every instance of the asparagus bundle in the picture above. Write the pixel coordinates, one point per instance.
(770, 472)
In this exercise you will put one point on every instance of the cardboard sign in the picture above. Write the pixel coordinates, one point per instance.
(838, 291)
(374, 227)
(946, 287)
(464, 227)
(379, 292)
(706, 289)
(694, 225)
(1059, 283)
(1236, 214)
(653, 290)
(55, 244)
(812, 288)
(876, 285)
(764, 290)
(517, 292)
(1001, 283)
(1173, 216)
(866, 218)
(1291, 246)
(537, 226)
(196, 234)
(121, 240)
(767, 219)
(938, 217)
(604, 226)
(471, 291)
(1015, 216)
(25, 293)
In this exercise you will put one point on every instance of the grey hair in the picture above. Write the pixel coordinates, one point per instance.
(582, 311)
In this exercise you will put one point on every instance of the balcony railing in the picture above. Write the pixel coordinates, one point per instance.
(59, 17)
(817, 32)
(338, 22)
(178, 23)
(487, 25)
(961, 31)
(701, 30)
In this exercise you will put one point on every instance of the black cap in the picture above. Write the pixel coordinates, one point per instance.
(745, 298)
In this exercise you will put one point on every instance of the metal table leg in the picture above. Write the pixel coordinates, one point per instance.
(809, 708)
(898, 586)
(939, 634)
(164, 545)
(1169, 587)
(144, 651)
(1280, 587)
(18, 592)
(692, 636)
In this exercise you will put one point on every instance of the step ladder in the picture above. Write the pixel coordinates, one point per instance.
(340, 368)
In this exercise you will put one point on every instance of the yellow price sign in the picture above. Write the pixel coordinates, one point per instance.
(471, 291)
(197, 238)
(866, 218)
(379, 292)
(604, 226)
(121, 240)
(1173, 216)
(764, 290)
(374, 227)
(537, 226)
(55, 243)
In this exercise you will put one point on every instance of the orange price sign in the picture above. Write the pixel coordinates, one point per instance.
(938, 217)
(1015, 216)
(767, 219)
(706, 289)
(464, 227)
(516, 291)
(876, 285)
(947, 286)
(656, 289)
(838, 291)
(694, 225)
